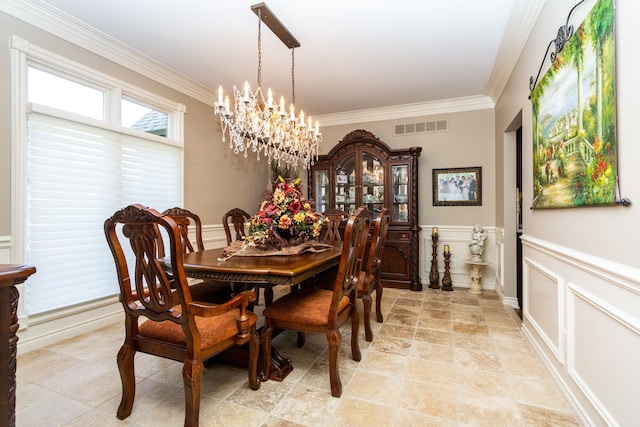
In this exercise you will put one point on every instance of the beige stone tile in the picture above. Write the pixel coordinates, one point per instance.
(436, 305)
(265, 399)
(433, 336)
(392, 365)
(279, 422)
(438, 324)
(405, 310)
(501, 321)
(356, 412)
(397, 319)
(462, 316)
(391, 345)
(100, 417)
(433, 400)
(544, 417)
(470, 328)
(476, 359)
(519, 366)
(54, 412)
(40, 364)
(464, 300)
(313, 406)
(480, 381)
(403, 418)
(423, 371)
(514, 348)
(533, 391)
(505, 333)
(477, 409)
(408, 302)
(229, 414)
(432, 352)
(474, 342)
(466, 308)
(318, 375)
(435, 314)
(374, 387)
(397, 331)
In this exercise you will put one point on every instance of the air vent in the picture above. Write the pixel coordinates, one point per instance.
(421, 127)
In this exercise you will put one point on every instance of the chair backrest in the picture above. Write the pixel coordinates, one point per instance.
(355, 239)
(183, 219)
(238, 218)
(145, 286)
(379, 237)
(334, 219)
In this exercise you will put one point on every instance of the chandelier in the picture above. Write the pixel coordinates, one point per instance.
(264, 126)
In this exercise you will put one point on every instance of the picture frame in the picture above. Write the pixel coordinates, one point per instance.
(457, 186)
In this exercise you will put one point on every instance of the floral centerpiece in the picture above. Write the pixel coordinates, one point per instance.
(285, 218)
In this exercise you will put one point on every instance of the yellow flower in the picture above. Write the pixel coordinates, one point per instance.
(299, 217)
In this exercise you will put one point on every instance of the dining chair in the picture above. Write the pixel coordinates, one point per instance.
(370, 275)
(335, 217)
(161, 318)
(314, 310)
(238, 218)
(189, 224)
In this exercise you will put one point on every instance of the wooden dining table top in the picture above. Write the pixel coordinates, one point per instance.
(273, 269)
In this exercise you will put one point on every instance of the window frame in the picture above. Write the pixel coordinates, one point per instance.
(24, 55)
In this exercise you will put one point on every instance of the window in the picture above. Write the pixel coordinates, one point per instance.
(88, 150)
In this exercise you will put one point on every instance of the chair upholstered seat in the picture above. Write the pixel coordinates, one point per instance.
(212, 329)
(307, 305)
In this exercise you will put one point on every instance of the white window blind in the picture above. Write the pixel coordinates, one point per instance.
(79, 175)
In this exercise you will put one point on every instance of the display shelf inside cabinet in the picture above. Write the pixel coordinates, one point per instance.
(362, 170)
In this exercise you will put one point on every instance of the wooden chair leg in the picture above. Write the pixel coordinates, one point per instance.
(301, 339)
(125, 360)
(366, 302)
(379, 302)
(254, 350)
(192, 380)
(266, 351)
(334, 338)
(355, 325)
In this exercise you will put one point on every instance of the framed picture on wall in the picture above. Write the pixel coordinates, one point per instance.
(457, 187)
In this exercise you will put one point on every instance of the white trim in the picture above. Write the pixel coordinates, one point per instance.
(418, 109)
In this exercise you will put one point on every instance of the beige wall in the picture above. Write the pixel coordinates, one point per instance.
(581, 266)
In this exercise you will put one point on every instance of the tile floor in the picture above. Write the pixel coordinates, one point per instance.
(439, 359)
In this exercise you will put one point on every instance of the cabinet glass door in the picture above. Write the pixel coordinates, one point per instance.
(321, 189)
(345, 192)
(372, 184)
(400, 192)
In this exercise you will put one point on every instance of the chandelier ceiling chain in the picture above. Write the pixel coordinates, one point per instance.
(264, 127)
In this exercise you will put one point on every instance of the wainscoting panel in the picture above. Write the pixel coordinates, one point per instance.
(603, 354)
(542, 290)
(5, 250)
(582, 315)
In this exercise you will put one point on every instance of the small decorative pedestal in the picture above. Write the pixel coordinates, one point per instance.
(477, 268)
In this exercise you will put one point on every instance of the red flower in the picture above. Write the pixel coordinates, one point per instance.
(295, 206)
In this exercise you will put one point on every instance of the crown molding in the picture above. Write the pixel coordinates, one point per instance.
(523, 17)
(454, 105)
(60, 24)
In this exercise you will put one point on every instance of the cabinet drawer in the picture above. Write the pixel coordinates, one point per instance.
(398, 235)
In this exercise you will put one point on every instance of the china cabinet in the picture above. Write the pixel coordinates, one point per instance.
(363, 171)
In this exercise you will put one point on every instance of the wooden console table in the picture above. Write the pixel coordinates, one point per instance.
(10, 276)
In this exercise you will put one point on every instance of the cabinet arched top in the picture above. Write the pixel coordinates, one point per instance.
(364, 139)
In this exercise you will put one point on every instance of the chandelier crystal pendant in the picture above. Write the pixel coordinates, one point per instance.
(264, 126)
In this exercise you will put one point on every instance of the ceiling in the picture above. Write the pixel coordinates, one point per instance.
(354, 55)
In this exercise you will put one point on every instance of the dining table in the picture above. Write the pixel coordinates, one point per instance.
(265, 272)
